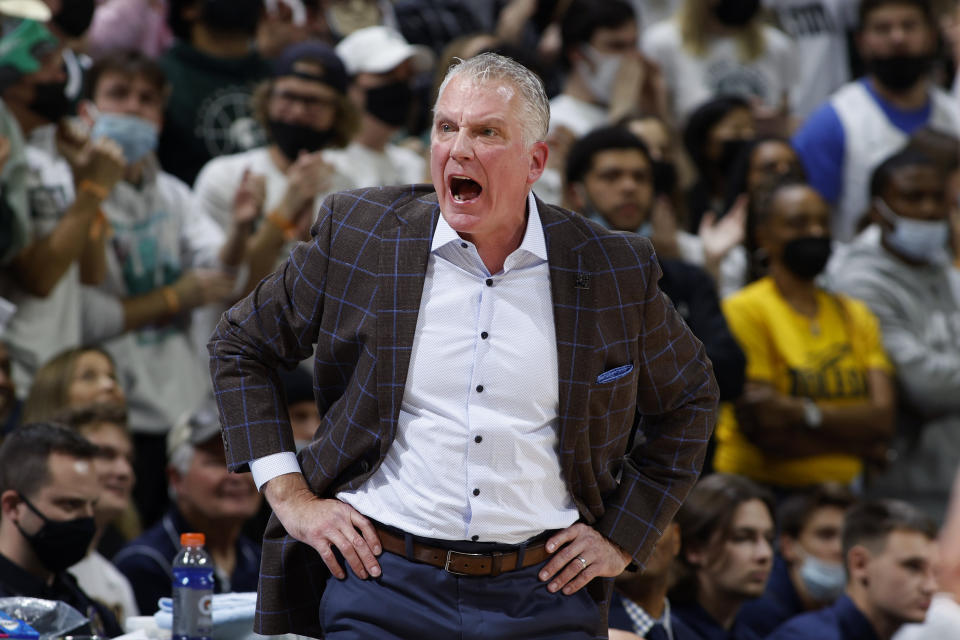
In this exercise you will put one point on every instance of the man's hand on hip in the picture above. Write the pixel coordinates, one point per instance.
(324, 524)
(581, 553)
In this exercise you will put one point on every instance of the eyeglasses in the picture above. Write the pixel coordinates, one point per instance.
(309, 103)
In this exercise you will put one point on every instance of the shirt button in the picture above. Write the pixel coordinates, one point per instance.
(479, 388)
(463, 245)
(489, 282)
(478, 439)
(474, 538)
(476, 492)
(484, 335)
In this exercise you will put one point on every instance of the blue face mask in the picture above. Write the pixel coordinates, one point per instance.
(824, 581)
(136, 136)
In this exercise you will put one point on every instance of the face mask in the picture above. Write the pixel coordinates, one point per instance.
(232, 16)
(824, 581)
(899, 73)
(731, 152)
(807, 256)
(75, 16)
(664, 177)
(600, 72)
(920, 240)
(50, 101)
(60, 544)
(136, 136)
(294, 138)
(736, 13)
(390, 103)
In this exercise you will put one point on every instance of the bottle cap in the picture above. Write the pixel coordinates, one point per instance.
(192, 539)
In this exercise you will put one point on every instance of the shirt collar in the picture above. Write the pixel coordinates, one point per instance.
(533, 242)
(643, 621)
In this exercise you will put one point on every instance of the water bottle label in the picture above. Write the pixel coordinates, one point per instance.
(192, 613)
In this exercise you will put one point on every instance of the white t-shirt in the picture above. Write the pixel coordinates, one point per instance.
(365, 167)
(103, 582)
(818, 29)
(43, 327)
(694, 80)
(576, 115)
(219, 179)
(158, 234)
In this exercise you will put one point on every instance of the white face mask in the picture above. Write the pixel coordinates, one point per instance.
(920, 240)
(601, 75)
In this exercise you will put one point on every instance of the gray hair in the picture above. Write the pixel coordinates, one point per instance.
(492, 67)
(180, 459)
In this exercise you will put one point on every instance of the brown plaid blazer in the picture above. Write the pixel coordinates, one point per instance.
(637, 394)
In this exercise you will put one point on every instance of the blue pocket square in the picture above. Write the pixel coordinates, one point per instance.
(614, 374)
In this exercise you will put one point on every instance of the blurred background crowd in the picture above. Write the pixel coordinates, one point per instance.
(796, 164)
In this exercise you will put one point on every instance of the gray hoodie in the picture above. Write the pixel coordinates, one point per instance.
(918, 311)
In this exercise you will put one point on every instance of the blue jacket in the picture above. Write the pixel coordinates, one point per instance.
(842, 621)
(704, 627)
(779, 603)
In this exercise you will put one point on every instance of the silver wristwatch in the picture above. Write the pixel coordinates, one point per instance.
(812, 415)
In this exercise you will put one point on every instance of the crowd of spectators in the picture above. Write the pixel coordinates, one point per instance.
(795, 163)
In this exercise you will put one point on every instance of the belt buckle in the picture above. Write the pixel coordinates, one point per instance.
(450, 552)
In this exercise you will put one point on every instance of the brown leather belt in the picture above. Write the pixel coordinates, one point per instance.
(464, 564)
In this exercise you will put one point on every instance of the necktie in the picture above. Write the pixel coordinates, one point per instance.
(657, 632)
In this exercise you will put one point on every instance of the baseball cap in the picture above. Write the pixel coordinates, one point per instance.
(380, 49)
(195, 427)
(325, 67)
(29, 9)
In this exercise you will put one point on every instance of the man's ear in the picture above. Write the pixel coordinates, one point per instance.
(9, 500)
(858, 563)
(790, 549)
(86, 110)
(576, 196)
(538, 161)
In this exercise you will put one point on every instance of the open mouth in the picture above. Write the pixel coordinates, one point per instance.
(464, 189)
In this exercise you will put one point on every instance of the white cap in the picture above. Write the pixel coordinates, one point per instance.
(28, 9)
(380, 49)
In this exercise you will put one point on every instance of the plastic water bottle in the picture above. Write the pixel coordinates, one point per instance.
(192, 590)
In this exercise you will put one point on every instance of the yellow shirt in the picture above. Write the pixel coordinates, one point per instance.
(824, 358)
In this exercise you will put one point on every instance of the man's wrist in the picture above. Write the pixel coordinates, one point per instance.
(269, 467)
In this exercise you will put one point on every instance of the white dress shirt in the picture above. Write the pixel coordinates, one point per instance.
(475, 453)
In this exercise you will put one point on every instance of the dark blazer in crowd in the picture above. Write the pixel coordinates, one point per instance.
(147, 562)
(358, 297)
(842, 621)
(704, 627)
(695, 297)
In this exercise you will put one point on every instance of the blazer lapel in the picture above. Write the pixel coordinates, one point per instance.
(572, 288)
(404, 251)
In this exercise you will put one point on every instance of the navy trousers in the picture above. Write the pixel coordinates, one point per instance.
(413, 601)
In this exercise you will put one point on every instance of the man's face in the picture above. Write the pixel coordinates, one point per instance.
(304, 419)
(364, 81)
(737, 563)
(895, 29)
(114, 468)
(481, 168)
(72, 492)
(619, 185)
(820, 537)
(129, 94)
(770, 161)
(899, 581)
(7, 389)
(211, 490)
(297, 101)
(917, 192)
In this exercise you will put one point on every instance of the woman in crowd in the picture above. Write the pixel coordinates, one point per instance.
(76, 378)
(819, 397)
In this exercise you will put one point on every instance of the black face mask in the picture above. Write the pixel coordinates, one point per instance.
(664, 177)
(50, 100)
(60, 544)
(75, 16)
(899, 73)
(390, 103)
(294, 138)
(731, 152)
(232, 16)
(736, 13)
(806, 257)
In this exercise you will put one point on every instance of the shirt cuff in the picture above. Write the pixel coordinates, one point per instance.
(276, 464)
